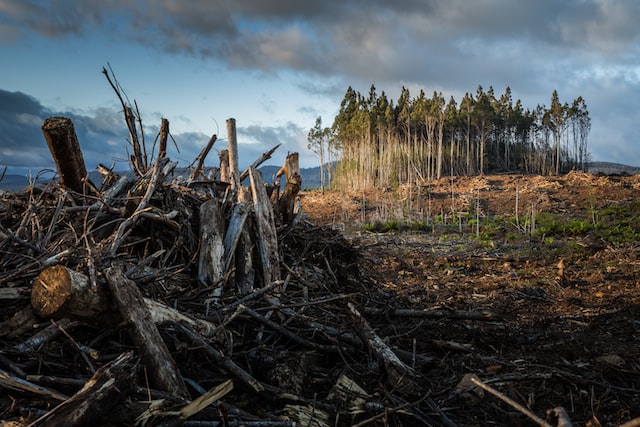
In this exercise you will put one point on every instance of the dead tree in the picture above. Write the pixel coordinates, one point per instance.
(233, 154)
(65, 150)
(287, 201)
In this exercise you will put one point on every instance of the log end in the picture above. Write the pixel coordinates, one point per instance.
(50, 291)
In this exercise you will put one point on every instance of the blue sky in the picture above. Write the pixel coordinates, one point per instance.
(276, 65)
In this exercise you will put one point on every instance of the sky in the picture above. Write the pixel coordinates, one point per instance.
(276, 65)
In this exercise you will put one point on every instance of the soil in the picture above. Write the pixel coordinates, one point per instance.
(555, 260)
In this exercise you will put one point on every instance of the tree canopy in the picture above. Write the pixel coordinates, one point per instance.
(384, 143)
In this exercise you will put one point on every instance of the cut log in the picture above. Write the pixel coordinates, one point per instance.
(94, 402)
(161, 367)
(287, 201)
(267, 236)
(61, 292)
(232, 140)
(211, 265)
(65, 150)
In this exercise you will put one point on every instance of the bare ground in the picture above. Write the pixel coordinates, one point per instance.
(564, 290)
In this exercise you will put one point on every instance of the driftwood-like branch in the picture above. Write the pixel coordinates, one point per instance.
(203, 155)
(432, 314)
(260, 160)
(158, 361)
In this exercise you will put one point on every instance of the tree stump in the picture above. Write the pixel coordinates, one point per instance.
(65, 150)
(287, 201)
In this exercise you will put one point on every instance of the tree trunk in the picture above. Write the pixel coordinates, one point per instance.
(65, 150)
(287, 202)
(232, 140)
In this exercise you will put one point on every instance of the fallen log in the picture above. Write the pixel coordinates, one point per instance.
(60, 292)
(400, 375)
(161, 367)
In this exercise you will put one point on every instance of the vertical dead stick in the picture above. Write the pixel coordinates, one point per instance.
(164, 135)
(211, 258)
(162, 369)
(287, 202)
(232, 140)
(224, 166)
(65, 150)
(267, 235)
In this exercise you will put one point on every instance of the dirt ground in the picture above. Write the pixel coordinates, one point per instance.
(555, 260)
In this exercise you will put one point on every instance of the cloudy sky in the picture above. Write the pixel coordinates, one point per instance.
(276, 65)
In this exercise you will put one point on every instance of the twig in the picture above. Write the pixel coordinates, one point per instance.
(511, 402)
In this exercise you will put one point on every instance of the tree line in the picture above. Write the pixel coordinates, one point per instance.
(375, 141)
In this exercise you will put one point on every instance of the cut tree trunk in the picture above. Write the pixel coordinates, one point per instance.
(60, 292)
(65, 150)
(267, 236)
(224, 166)
(211, 264)
(233, 154)
(287, 201)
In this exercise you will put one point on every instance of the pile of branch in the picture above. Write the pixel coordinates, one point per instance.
(169, 297)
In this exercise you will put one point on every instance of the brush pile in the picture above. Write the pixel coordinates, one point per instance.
(166, 298)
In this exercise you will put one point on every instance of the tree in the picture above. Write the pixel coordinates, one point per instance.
(318, 138)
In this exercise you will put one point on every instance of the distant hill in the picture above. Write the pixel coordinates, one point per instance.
(311, 176)
(607, 168)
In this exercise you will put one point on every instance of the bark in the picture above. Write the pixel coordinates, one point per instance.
(159, 363)
(61, 292)
(65, 150)
(211, 264)
(287, 202)
(233, 154)
(267, 238)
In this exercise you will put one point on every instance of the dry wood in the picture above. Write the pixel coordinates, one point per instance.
(267, 237)
(432, 313)
(287, 203)
(197, 171)
(61, 138)
(160, 365)
(260, 160)
(211, 260)
(12, 382)
(401, 376)
(93, 403)
(224, 166)
(232, 140)
(60, 292)
(164, 135)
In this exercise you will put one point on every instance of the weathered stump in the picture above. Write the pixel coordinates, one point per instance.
(65, 150)
(287, 201)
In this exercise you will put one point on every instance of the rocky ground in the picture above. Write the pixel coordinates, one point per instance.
(556, 259)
